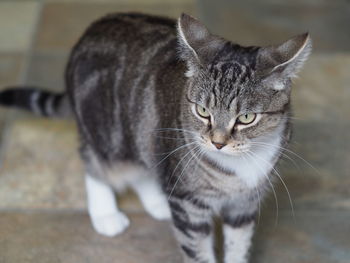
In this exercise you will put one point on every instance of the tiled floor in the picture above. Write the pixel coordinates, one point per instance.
(42, 198)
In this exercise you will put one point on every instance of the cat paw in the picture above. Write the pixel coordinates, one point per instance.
(159, 210)
(110, 225)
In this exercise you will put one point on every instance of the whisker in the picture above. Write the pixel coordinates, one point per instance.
(189, 152)
(280, 151)
(197, 140)
(174, 129)
(271, 185)
(257, 191)
(199, 158)
(195, 154)
(172, 152)
(289, 151)
(191, 158)
(174, 138)
(284, 184)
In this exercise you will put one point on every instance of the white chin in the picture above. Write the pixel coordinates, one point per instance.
(225, 152)
(252, 167)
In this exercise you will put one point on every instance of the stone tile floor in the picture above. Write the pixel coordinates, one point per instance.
(42, 198)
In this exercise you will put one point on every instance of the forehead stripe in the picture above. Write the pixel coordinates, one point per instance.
(215, 97)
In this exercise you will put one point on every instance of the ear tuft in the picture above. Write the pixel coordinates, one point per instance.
(196, 44)
(191, 33)
(286, 59)
(296, 51)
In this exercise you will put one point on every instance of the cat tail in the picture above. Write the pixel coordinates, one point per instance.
(40, 102)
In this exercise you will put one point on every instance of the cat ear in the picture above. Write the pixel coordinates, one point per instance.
(196, 44)
(284, 61)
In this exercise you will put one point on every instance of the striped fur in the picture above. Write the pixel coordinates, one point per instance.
(135, 83)
(40, 102)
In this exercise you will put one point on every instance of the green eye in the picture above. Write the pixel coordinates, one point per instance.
(203, 112)
(247, 118)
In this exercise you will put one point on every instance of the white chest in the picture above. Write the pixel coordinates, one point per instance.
(251, 167)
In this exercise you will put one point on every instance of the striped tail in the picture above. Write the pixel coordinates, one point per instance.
(40, 102)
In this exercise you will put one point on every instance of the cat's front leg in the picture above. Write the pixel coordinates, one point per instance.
(238, 231)
(193, 228)
(105, 216)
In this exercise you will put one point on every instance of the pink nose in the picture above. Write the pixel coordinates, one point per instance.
(218, 145)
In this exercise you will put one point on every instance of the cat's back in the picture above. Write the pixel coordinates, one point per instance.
(134, 26)
(116, 70)
(123, 46)
(126, 34)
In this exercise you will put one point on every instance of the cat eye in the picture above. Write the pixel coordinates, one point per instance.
(246, 118)
(203, 112)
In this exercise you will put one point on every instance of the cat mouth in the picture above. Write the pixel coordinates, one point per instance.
(233, 152)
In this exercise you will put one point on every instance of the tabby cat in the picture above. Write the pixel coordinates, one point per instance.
(193, 123)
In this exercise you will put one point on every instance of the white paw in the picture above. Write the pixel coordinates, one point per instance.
(159, 210)
(110, 225)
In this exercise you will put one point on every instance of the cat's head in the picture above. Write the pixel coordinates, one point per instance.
(237, 96)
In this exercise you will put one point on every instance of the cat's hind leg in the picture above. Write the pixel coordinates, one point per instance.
(152, 197)
(103, 209)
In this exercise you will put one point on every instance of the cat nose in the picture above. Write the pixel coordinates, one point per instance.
(218, 145)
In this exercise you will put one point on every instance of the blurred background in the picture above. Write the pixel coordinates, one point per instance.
(42, 200)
